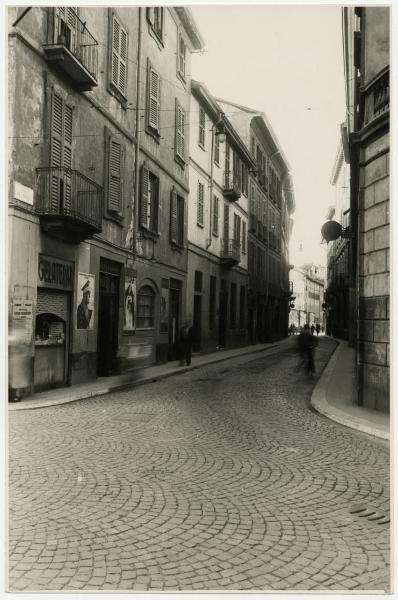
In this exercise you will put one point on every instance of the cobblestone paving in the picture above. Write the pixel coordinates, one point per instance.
(218, 479)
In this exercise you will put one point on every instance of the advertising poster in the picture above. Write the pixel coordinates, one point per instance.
(85, 301)
(130, 303)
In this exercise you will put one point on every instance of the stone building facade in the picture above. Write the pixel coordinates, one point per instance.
(367, 75)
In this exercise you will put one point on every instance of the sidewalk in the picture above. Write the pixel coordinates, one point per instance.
(334, 394)
(104, 385)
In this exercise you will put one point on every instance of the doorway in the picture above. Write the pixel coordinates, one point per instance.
(197, 322)
(108, 322)
(223, 313)
(174, 321)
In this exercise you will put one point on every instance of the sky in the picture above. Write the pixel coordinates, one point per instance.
(286, 61)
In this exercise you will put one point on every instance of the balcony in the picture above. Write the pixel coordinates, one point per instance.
(376, 98)
(69, 204)
(72, 47)
(231, 186)
(230, 252)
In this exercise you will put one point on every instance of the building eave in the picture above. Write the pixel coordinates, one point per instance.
(192, 30)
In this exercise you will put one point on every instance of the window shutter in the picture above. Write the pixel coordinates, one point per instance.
(226, 223)
(123, 61)
(173, 216)
(114, 178)
(180, 131)
(153, 98)
(115, 50)
(119, 56)
(155, 207)
(200, 203)
(144, 196)
(181, 55)
(227, 159)
(150, 15)
(61, 152)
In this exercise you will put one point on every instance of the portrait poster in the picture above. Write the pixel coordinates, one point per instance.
(130, 302)
(85, 301)
(164, 307)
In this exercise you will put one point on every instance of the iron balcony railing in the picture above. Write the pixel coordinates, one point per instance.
(230, 249)
(232, 186)
(377, 98)
(71, 32)
(64, 192)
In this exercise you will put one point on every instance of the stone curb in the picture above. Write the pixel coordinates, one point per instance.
(322, 406)
(117, 387)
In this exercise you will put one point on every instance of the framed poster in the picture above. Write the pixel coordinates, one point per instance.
(85, 301)
(130, 302)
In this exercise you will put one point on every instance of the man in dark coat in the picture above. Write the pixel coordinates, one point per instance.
(83, 311)
(186, 341)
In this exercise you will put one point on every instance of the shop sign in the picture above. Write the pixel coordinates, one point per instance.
(55, 273)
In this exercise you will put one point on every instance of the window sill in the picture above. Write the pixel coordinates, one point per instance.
(200, 225)
(181, 77)
(158, 38)
(118, 95)
(149, 234)
(145, 328)
(115, 217)
(180, 161)
(201, 146)
(153, 133)
(178, 247)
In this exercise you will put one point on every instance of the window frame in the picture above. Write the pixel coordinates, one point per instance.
(151, 128)
(200, 204)
(153, 306)
(114, 87)
(151, 13)
(202, 128)
(180, 121)
(216, 216)
(181, 45)
(177, 219)
(149, 222)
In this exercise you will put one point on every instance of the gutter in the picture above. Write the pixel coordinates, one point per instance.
(137, 136)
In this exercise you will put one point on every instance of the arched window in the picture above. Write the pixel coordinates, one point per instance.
(146, 308)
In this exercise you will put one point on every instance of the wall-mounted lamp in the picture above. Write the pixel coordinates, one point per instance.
(220, 129)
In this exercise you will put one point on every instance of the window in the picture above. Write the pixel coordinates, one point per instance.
(232, 307)
(216, 150)
(253, 147)
(202, 127)
(242, 307)
(60, 151)
(182, 50)
(212, 302)
(119, 46)
(116, 158)
(200, 210)
(180, 132)
(198, 281)
(237, 222)
(154, 15)
(177, 210)
(146, 308)
(244, 234)
(153, 100)
(244, 178)
(149, 205)
(216, 214)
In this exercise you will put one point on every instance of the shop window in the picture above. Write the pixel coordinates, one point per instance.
(146, 308)
(50, 330)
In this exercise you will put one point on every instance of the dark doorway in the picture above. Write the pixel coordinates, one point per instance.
(174, 323)
(223, 313)
(197, 322)
(108, 323)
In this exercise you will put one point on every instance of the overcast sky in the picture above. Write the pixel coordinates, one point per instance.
(286, 61)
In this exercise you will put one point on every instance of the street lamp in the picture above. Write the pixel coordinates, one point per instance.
(219, 129)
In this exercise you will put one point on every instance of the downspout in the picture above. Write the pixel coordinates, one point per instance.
(137, 137)
(208, 243)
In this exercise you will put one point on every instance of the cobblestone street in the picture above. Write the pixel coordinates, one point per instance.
(221, 478)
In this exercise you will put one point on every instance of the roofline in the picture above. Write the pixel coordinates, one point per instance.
(190, 26)
(201, 92)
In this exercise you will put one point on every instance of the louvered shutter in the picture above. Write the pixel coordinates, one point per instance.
(72, 24)
(115, 50)
(153, 98)
(228, 180)
(226, 224)
(144, 196)
(115, 175)
(68, 123)
(155, 207)
(123, 61)
(200, 203)
(180, 131)
(173, 217)
(61, 153)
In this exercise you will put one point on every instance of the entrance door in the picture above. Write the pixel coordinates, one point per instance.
(223, 308)
(197, 322)
(174, 323)
(108, 324)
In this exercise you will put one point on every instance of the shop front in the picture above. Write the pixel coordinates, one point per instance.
(52, 323)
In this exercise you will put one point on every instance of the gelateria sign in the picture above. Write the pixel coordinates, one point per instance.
(55, 273)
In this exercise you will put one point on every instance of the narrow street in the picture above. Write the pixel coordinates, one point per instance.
(222, 478)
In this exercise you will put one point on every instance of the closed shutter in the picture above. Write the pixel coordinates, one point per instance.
(116, 156)
(153, 98)
(226, 222)
(227, 160)
(53, 303)
(200, 203)
(155, 206)
(144, 196)
(180, 131)
(119, 56)
(61, 153)
(173, 216)
(202, 127)
(215, 215)
(181, 55)
(244, 234)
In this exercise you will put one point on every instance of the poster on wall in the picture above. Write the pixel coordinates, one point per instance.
(85, 301)
(130, 302)
(164, 307)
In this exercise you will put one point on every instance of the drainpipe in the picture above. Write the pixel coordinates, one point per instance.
(208, 243)
(137, 137)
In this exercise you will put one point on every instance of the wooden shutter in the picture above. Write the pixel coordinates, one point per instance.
(181, 55)
(180, 131)
(115, 175)
(215, 215)
(200, 203)
(119, 56)
(61, 152)
(173, 217)
(244, 233)
(153, 98)
(144, 196)
(227, 163)
(226, 223)
(155, 205)
(202, 126)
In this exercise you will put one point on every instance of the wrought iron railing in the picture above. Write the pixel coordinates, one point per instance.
(231, 182)
(66, 192)
(230, 249)
(377, 98)
(70, 31)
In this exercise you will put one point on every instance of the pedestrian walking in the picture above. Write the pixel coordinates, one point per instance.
(317, 328)
(312, 329)
(307, 343)
(186, 341)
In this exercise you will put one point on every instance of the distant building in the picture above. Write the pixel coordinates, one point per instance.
(367, 77)
(307, 287)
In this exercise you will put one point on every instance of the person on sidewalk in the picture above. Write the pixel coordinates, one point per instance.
(186, 341)
(317, 328)
(307, 343)
(312, 329)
